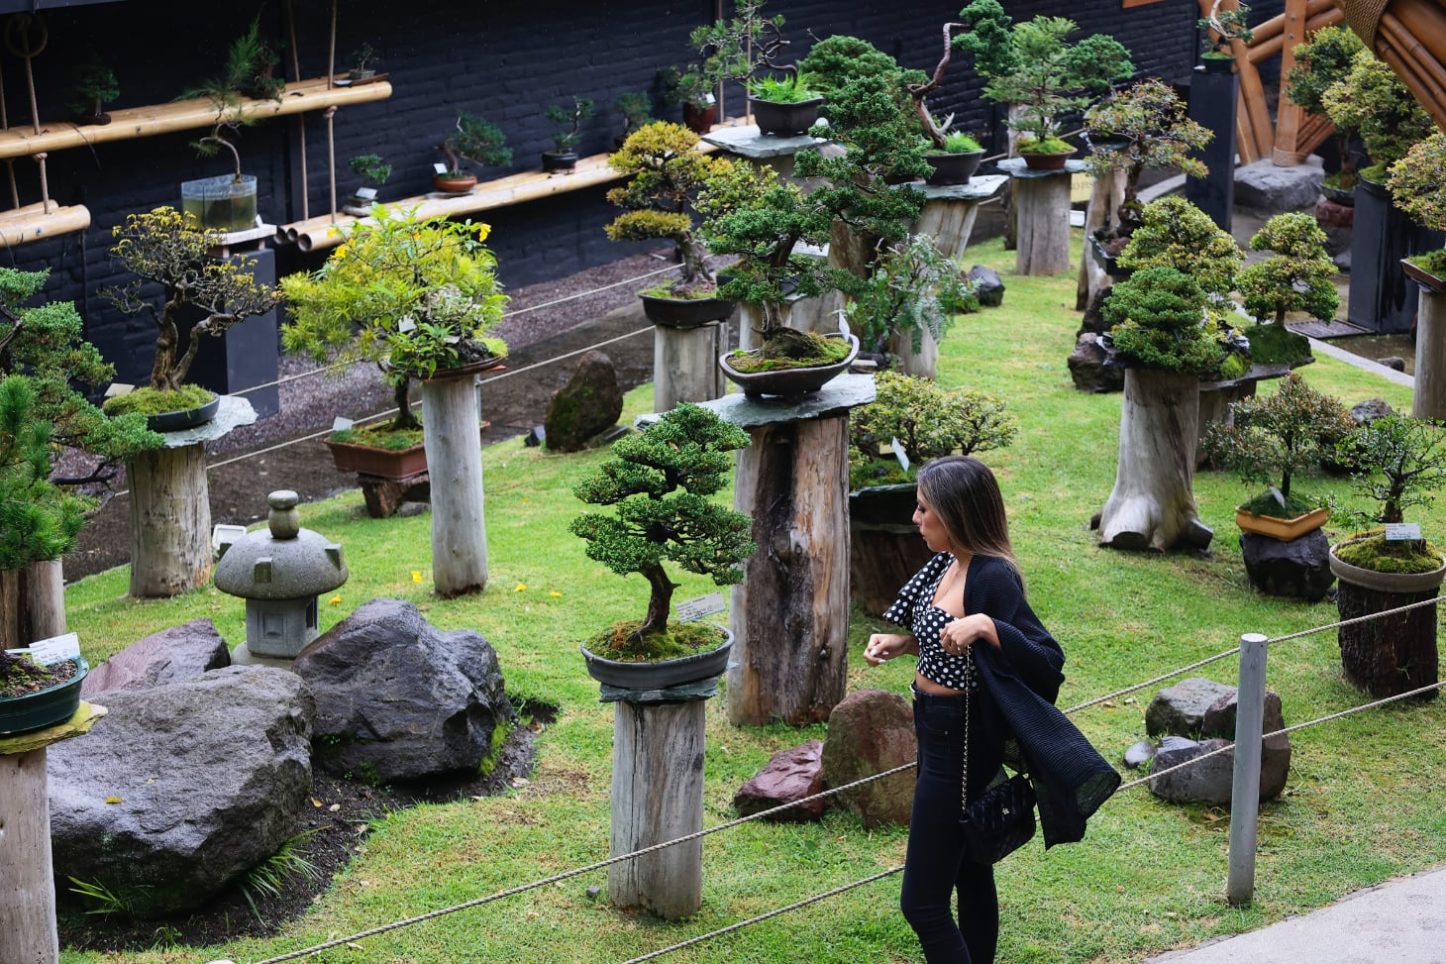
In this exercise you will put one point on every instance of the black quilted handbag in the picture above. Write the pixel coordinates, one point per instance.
(1002, 819)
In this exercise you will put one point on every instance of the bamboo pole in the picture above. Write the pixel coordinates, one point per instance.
(1422, 75)
(300, 118)
(1260, 52)
(1285, 150)
(31, 223)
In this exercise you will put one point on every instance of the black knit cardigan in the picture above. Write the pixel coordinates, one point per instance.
(1019, 683)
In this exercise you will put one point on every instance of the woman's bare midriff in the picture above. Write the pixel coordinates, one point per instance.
(929, 686)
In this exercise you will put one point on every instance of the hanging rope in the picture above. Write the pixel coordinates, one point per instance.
(9, 161)
(300, 118)
(18, 41)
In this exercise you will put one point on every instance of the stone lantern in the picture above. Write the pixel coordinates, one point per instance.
(279, 573)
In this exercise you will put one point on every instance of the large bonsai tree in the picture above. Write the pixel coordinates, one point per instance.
(1298, 276)
(928, 421)
(1173, 233)
(414, 295)
(1372, 101)
(1159, 321)
(167, 248)
(660, 482)
(1324, 60)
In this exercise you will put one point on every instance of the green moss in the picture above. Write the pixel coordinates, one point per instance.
(1341, 180)
(1375, 173)
(1432, 262)
(500, 733)
(885, 471)
(1375, 553)
(151, 401)
(681, 639)
(1276, 344)
(380, 435)
(682, 292)
(1265, 504)
(1050, 145)
(828, 351)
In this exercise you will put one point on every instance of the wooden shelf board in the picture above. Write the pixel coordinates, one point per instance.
(31, 223)
(132, 122)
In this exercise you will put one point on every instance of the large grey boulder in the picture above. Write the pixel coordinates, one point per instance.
(1297, 569)
(170, 656)
(589, 404)
(182, 787)
(1266, 189)
(791, 774)
(869, 732)
(398, 699)
(1180, 709)
(1210, 781)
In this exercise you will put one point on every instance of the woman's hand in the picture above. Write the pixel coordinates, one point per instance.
(883, 647)
(958, 635)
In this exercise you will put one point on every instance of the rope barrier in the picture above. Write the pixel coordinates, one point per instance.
(1433, 601)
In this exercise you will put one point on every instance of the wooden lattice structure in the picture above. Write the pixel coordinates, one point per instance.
(1410, 36)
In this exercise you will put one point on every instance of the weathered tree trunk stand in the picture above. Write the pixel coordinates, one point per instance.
(384, 496)
(1042, 209)
(950, 210)
(170, 521)
(1106, 196)
(1391, 654)
(1429, 398)
(924, 362)
(32, 604)
(454, 463)
(882, 557)
(1153, 505)
(1215, 408)
(685, 365)
(657, 795)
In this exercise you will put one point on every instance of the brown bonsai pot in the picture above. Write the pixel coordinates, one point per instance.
(395, 465)
(1283, 529)
(790, 382)
(454, 185)
(1045, 162)
(699, 120)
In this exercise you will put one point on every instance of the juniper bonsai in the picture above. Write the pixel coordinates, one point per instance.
(660, 482)
(1372, 101)
(1298, 276)
(1173, 233)
(1319, 63)
(1159, 322)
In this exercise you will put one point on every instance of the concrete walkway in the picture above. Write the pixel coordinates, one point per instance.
(1402, 921)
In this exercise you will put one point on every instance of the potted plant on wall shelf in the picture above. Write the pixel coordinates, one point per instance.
(374, 172)
(167, 248)
(1221, 27)
(665, 176)
(636, 108)
(692, 91)
(659, 482)
(417, 297)
(92, 87)
(1418, 187)
(1399, 463)
(363, 67)
(1270, 441)
(477, 141)
(564, 155)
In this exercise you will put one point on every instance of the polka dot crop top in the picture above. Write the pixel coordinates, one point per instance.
(915, 609)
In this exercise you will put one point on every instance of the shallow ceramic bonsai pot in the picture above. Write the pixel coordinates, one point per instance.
(47, 707)
(179, 421)
(790, 382)
(953, 168)
(1427, 280)
(454, 185)
(396, 465)
(1401, 582)
(685, 312)
(662, 674)
(1046, 162)
(1283, 529)
(785, 120)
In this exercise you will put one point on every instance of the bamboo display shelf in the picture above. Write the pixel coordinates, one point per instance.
(324, 231)
(31, 223)
(132, 122)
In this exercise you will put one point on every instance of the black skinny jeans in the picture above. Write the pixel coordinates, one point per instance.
(935, 866)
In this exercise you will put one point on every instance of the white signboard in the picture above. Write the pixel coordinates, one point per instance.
(899, 453)
(695, 609)
(1403, 532)
(56, 649)
(341, 423)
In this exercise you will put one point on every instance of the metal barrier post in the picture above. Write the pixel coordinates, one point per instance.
(1245, 787)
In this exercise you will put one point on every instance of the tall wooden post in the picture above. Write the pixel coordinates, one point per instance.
(950, 211)
(685, 365)
(452, 432)
(923, 363)
(1288, 114)
(1429, 397)
(1042, 201)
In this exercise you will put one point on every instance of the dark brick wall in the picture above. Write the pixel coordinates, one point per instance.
(504, 61)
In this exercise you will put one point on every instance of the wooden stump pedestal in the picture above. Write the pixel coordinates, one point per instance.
(685, 365)
(1392, 654)
(951, 209)
(1429, 398)
(171, 506)
(452, 433)
(1042, 201)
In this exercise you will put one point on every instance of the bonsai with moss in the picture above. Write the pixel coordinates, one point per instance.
(166, 248)
(912, 290)
(1372, 101)
(1298, 276)
(660, 483)
(1324, 60)
(568, 118)
(636, 110)
(1275, 438)
(416, 296)
(1143, 127)
(1418, 187)
(1221, 27)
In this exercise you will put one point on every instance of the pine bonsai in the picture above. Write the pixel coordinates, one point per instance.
(660, 482)
(92, 86)
(1298, 276)
(1173, 233)
(476, 140)
(570, 119)
(1226, 25)
(1151, 123)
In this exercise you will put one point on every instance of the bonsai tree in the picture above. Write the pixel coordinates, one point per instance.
(363, 63)
(636, 108)
(1418, 187)
(1275, 438)
(1398, 462)
(250, 63)
(1372, 101)
(927, 421)
(1298, 276)
(413, 295)
(1158, 318)
(92, 86)
(166, 248)
(687, 88)
(571, 118)
(372, 169)
(660, 483)
(1173, 233)
(734, 49)
(912, 289)
(1223, 26)
(666, 176)
(477, 141)
(1150, 126)
(1324, 60)
(1042, 75)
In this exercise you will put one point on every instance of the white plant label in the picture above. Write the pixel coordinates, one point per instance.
(406, 325)
(440, 168)
(366, 193)
(118, 389)
(1403, 532)
(899, 453)
(225, 534)
(341, 423)
(695, 609)
(843, 323)
(56, 649)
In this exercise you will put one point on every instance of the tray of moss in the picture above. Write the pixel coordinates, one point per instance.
(1423, 269)
(758, 373)
(1371, 562)
(706, 657)
(168, 411)
(673, 309)
(33, 697)
(380, 451)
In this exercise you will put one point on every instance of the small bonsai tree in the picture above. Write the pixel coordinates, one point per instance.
(928, 421)
(372, 169)
(363, 63)
(571, 118)
(1399, 462)
(248, 73)
(636, 108)
(1418, 187)
(1372, 101)
(686, 87)
(1159, 320)
(1325, 60)
(1150, 123)
(167, 248)
(734, 49)
(1275, 438)
(92, 86)
(666, 177)
(475, 140)
(913, 288)
(1174, 233)
(1222, 26)
(1298, 276)
(414, 295)
(660, 483)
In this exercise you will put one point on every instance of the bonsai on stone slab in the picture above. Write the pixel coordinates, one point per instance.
(168, 248)
(1418, 187)
(659, 482)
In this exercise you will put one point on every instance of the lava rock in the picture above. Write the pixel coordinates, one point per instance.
(182, 787)
(869, 732)
(169, 656)
(1332, 215)
(1205, 782)
(988, 287)
(398, 699)
(1298, 569)
(1088, 370)
(1265, 189)
(589, 403)
(1220, 717)
(1180, 709)
(790, 775)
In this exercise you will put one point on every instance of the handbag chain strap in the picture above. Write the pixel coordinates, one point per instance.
(964, 771)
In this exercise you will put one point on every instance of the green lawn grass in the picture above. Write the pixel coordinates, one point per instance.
(1364, 801)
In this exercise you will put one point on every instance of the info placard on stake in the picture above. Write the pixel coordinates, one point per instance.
(1403, 532)
(692, 610)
